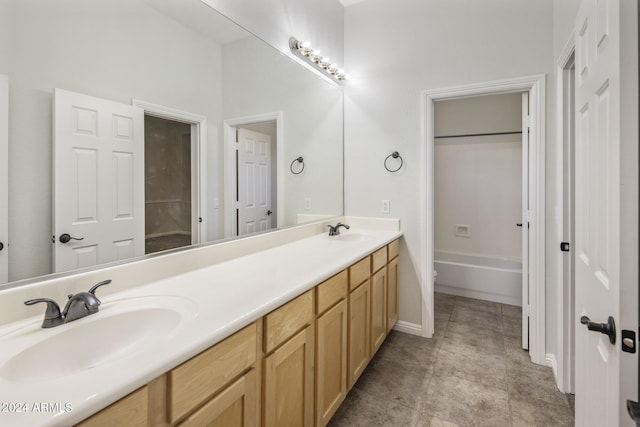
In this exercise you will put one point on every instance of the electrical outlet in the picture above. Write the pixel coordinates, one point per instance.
(307, 204)
(386, 206)
(216, 204)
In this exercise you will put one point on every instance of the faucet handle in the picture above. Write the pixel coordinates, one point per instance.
(97, 285)
(52, 316)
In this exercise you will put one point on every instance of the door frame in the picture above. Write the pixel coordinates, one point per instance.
(4, 178)
(198, 161)
(564, 367)
(230, 178)
(535, 85)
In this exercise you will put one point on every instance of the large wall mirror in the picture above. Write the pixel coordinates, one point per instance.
(137, 126)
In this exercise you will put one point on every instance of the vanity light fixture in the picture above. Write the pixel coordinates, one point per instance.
(314, 57)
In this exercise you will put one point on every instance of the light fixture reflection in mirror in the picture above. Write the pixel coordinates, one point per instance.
(180, 55)
(313, 57)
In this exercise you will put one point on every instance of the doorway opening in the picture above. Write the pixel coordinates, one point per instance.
(254, 199)
(175, 177)
(256, 175)
(480, 194)
(533, 268)
(167, 173)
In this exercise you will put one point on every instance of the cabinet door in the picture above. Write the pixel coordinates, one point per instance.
(235, 406)
(378, 309)
(392, 293)
(359, 331)
(331, 362)
(132, 410)
(288, 383)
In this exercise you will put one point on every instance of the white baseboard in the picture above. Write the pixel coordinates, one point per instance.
(408, 328)
(553, 363)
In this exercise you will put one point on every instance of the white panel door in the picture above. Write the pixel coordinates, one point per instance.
(597, 216)
(254, 181)
(98, 195)
(525, 220)
(4, 179)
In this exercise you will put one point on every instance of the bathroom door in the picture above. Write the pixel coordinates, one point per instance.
(4, 179)
(254, 181)
(98, 196)
(606, 227)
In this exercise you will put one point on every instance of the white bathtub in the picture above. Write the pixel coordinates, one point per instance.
(477, 276)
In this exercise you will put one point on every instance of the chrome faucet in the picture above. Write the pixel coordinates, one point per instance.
(334, 230)
(79, 305)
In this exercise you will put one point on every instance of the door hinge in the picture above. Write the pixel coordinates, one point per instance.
(565, 246)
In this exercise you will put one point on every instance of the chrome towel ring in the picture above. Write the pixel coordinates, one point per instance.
(299, 160)
(394, 155)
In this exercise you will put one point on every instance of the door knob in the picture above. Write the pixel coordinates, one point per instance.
(608, 328)
(269, 212)
(66, 238)
(1, 246)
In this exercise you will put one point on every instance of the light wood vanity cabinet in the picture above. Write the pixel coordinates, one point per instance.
(392, 292)
(359, 331)
(198, 379)
(132, 410)
(331, 347)
(305, 355)
(378, 309)
(288, 387)
(235, 406)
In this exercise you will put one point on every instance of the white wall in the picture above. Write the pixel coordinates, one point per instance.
(312, 113)
(394, 50)
(564, 14)
(478, 184)
(49, 47)
(274, 21)
(478, 179)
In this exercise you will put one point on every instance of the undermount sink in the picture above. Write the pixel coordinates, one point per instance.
(123, 328)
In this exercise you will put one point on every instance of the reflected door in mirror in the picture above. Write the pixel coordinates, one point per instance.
(98, 180)
(254, 181)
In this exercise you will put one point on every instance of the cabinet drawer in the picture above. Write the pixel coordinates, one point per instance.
(379, 259)
(282, 323)
(331, 291)
(131, 410)
(394, 249)
(199, 378)
(359, 272)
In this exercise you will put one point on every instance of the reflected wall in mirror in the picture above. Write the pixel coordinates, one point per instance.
(124, 119)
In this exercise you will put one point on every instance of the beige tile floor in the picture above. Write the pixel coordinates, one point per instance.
(472, 373)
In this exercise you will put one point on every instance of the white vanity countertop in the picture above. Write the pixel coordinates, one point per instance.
(216, 302)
